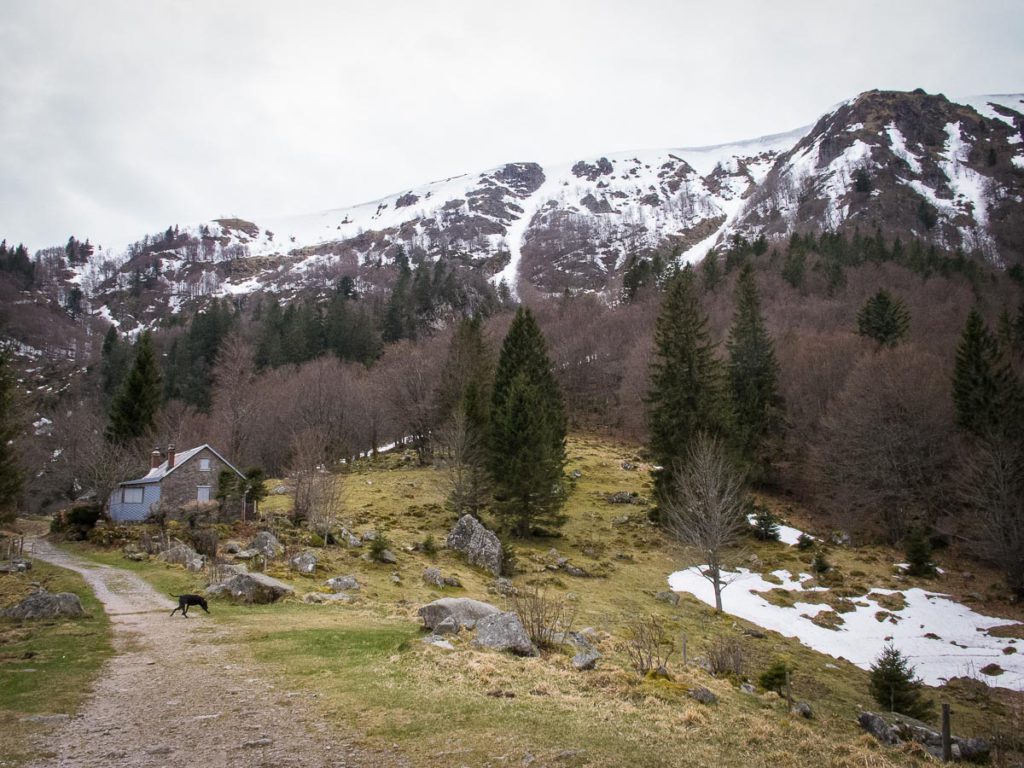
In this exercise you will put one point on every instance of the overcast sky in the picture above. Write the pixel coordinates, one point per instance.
(121, 118)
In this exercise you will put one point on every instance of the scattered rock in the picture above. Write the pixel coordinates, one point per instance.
(232, 547)
(396, 578)
(992, 670)
(432, 577)
(803, 709)
(748, 688)
(263, 742)
(343, 583)
(586, 659)
(387, 556)
(703, 695)
(757, 634)
(246, 554)
(622, 497)
(251, 588)
(136, 557)
(466, 612)
(480, 545)
(266, 544)
(503, 586)
(182, 554)
(668, 596)
(304, 563)
(323, 597)
(16, 566)
(629, 466)
(504, 632)
(369, 536)
(46, 605)
(438, 642)
(575, 474)
(892, 729)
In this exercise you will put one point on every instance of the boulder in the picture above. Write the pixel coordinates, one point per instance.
(703, 695)
(432, 577)
(803, 709)
(251, 588)
(504, 632)
(343, 583)
(502, 586)
(182, 554)
(465, 611)
(480, 546)
(748, 689)
(321, 597)
(46, 605)
(387, 556)
(892, 729)
(586, 659)
(447, 627)
(266, 544)
(232, 547)
(304, 563)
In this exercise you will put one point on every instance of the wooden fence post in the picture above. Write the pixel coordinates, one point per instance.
(947, 744)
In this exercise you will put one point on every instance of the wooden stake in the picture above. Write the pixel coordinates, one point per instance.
(947, 742)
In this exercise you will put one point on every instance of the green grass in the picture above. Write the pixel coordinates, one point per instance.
(47, 667)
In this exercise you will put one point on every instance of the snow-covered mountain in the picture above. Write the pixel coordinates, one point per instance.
(911, 164)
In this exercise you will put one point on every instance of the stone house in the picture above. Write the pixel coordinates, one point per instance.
(189, 477)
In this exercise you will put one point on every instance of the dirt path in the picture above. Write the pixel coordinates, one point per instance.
(173, 696)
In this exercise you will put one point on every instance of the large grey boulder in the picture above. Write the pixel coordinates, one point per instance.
(251, 588)
(266, 544)
(892, 729)
(46, 605)
(182, 554)
(343, 583)
(465, 611)
(480, 546)
(504, 632)
(304, 563)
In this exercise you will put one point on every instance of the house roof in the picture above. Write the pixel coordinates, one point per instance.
(157, 474)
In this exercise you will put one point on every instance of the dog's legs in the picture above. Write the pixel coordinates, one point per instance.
(175, 610)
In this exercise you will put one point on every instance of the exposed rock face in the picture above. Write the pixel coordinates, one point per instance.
(266, 544)
(465, 611)
(46, 605)
(504, 632)
(251, 588)
(480, 546)
(182, 554)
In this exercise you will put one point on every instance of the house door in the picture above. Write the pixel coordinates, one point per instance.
(203, 493)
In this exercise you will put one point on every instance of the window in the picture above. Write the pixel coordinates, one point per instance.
(203, 493)
(204, 465)
(132, 495)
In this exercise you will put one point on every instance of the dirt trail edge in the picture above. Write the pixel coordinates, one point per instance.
(174, 696)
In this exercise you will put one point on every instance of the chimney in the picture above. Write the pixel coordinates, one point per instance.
(170, 456)
(155, 459)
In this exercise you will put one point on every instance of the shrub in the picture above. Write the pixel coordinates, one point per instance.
(918, 551)
(766, 525)
(774, 678)
(725, 656)
(429, 545)
(893, 685)
(84, 516)
(820, 564)
(544, 618)
(204, 541)
(804, 542)
(378, 545)
(648, 645)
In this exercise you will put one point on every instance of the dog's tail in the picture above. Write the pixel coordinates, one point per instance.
(172, 595)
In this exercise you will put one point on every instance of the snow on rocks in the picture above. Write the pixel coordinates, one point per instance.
(941, 637)
(787, 534)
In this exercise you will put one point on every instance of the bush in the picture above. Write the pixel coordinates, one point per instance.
(648, 646)
(894, 686)
(774, 678)
(378, 545)
(429, 545)
(820, 564)
(544, 618)
(204, 541)
(766, 525)
(804, 542)
(84, 516)
(918, 551)
(725, 656)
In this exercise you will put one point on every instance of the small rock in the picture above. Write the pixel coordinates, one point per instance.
(504, 632)
(573, 570)
(266, 544)
(432, 577)
(343, 583)
(396, 578)
(803, 709)
(503, 586)
(369, 536)
(703, 695)
(320, 598)
(575, 474)
(304, 563)
(264, 742)
(629, 466)
(387, 556)
(667, 596)
(438, 642)
(757, 634)
(748, 688)
(586, 659)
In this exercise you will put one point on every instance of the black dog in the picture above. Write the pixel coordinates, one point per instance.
(184, 601)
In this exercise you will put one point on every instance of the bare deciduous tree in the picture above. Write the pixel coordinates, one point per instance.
(706, 512)
(465, 480)
(316, 495)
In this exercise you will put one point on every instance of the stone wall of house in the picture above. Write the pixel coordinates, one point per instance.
(180, 489)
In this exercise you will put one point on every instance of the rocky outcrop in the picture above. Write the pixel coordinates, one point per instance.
(465, 611)
(479, 545)
(504, 632)
(893, 729)
(182, 554)
(46, 605)
(251, 588)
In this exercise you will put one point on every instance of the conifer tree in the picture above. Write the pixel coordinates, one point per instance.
(11, 477)
(753, 373)
(113, 362)
(526, 441)
(133, 411)
(686, 392)
(399, 319)
(894, 686)
(884, 319)
(986, 393)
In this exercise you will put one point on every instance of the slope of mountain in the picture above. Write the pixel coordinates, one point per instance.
(910, 164)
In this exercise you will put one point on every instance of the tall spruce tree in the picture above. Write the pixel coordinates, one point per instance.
(133, 411)
(686, 393)
(986, 393)
(753, 374)
(883, 318)
(526, 440)
(11, 477)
